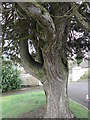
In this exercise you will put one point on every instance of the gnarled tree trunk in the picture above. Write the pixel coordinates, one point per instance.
(52, 46)
(56, 87)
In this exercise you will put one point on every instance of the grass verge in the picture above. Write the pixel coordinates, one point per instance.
(78, 110)
(15, 105)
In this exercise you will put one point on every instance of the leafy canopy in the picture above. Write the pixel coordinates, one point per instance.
(17, 25)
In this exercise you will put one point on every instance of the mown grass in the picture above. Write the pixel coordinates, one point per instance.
(15, 105)
(78, 110)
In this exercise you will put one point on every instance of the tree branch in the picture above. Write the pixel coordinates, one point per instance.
(80, 17)
(31, 66)
(40, 14)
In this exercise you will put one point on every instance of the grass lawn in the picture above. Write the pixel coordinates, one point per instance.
(15, 105)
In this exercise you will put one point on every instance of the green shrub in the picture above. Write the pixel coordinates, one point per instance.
(10, 77)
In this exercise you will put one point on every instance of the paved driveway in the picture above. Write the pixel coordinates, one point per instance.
(77, 92)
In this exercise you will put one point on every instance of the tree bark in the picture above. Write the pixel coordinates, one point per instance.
(55, 87)
(54, 56)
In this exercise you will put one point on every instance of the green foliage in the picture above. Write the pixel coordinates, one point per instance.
(79, 61)
(10, 77)
(19, 26)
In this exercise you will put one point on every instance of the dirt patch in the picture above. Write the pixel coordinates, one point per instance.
(37, 113)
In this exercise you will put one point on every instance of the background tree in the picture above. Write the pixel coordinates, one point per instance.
(42, 37)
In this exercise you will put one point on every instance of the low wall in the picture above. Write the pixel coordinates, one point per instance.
(28, 80)
(77, 72)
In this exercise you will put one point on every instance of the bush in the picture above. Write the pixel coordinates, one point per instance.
(10, 77)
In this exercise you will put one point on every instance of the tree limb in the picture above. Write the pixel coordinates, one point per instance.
(80, 17)
(31, 66)
(40, 14)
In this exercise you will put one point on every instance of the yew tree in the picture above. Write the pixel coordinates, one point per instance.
(42, 37)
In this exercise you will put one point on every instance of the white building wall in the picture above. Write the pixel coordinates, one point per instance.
(77, 72)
